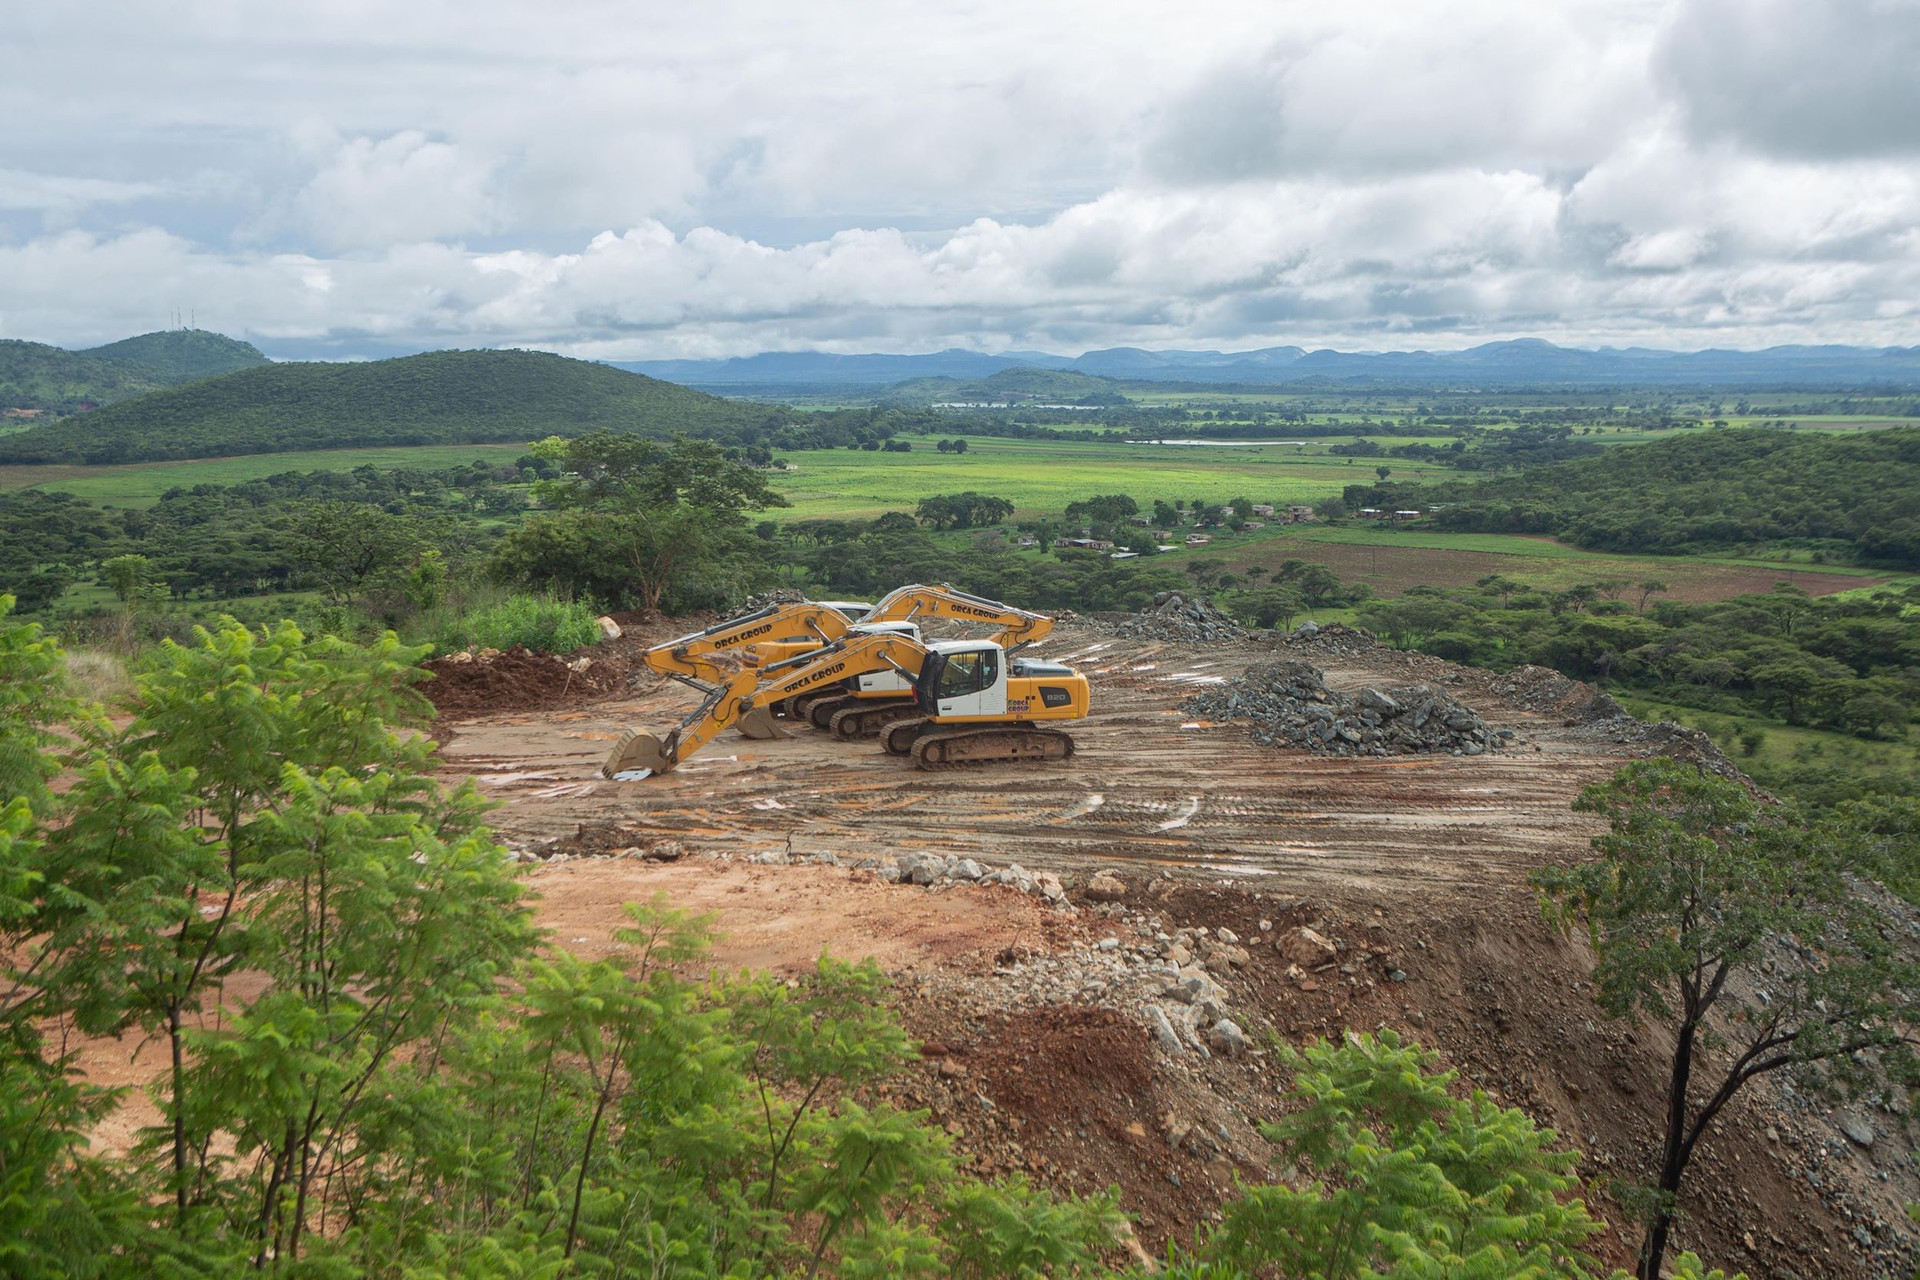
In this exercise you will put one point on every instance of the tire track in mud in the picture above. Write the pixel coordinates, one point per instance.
(1147, 786)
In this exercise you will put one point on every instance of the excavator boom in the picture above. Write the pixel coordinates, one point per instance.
(691, 659)
(940, 600)
(753, 690)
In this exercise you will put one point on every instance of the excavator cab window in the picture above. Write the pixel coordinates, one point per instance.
(966, 673)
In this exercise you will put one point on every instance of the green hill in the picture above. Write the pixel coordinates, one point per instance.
(441, 397)
(1854, 496)
(36, 376)
(180, 355)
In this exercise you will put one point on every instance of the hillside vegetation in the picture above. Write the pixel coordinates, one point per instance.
(1856, 496)
(36, 376)
(441, 397)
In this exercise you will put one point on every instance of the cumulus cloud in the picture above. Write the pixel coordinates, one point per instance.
(406, 187)
(853, 175)
(1814, 80)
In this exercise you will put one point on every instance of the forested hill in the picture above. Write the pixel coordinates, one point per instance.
(36, 376)
(181, 355)
(441, 397)
(1856, 494)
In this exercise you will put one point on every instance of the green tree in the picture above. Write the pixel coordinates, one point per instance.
(345, 547)
(639, 521)
(1694, 884)
(1398, 1177)
(1206, 571)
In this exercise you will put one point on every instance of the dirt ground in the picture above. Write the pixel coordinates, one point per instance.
(1415, 864)
(1036, 1057)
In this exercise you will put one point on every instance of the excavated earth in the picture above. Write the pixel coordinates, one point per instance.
(1038, 1055)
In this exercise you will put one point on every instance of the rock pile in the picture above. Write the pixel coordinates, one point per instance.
(1179, 617)
(779, 595)
(1335, 638)
(1544, 689)
(1290, 705)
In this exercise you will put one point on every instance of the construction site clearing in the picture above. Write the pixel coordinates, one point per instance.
(1097, 953)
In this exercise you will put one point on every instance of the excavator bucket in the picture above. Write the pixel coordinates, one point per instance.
(637, 754)
(759, 724)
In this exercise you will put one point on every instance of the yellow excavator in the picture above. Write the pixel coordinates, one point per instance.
(973, 703)
(805, 625)
(863, 706)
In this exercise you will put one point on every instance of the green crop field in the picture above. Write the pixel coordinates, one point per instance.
(138, 484)
(1042, 476)
(1391, 560)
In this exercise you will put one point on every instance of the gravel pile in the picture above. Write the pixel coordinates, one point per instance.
(1335, 638)
(1546, 690)
(779, 595)
(1290, 705)
(1180, 617)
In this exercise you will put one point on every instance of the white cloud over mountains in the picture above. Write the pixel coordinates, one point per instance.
(629, 181)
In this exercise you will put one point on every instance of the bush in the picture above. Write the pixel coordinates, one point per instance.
(540, 623)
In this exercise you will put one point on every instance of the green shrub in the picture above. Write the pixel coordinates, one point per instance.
(538, 622)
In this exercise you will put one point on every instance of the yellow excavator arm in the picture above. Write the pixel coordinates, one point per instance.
(691, 658)
(751, 690)
(940, 600)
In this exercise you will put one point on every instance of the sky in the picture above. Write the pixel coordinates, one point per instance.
(352, 178)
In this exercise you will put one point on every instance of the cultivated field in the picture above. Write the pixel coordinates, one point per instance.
(1390, 561)
(139, 484)
(1044, 476)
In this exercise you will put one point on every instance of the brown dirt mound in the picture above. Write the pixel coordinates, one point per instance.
(519, 679)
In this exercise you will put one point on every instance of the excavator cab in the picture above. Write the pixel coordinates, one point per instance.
(965, 680)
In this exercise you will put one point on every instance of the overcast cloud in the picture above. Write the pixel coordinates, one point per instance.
(627, 180)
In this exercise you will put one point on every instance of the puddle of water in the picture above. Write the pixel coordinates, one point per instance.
(768, 802)
(1146, 666)
(1085, 807)
(1181, 819)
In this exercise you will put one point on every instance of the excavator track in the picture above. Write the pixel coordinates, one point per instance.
(867, 717)
(897, 738)
(819, 712)
(947, 748)
(796, 707)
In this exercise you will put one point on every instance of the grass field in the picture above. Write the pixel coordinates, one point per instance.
(1778, 745)
(139, 484)
(1039, 476)
(1392, 560)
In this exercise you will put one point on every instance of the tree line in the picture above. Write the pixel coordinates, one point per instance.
(1851, 497)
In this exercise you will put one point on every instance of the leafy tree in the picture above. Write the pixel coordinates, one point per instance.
(1165, 516)
(1695, 886)
(961, 510)
(633, 520)
(1648, 589)
(1107, 509)
(1398, 1177)
(1206, 571)
(344, 546)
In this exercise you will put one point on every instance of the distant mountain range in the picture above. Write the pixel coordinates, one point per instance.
(1520, 362)
(34, 376)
